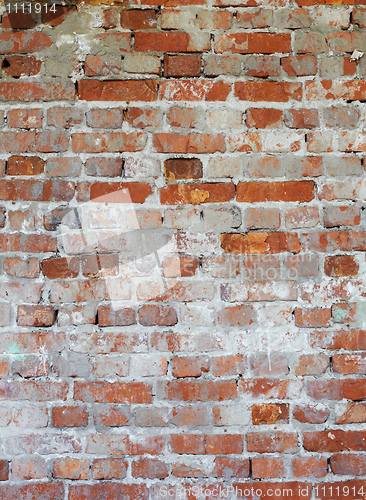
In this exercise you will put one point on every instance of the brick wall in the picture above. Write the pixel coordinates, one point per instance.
(182, 242)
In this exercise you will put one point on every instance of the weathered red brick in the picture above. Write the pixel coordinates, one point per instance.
(117, 392)
(17, 66)
(190, 143)
(182, 65)
(260, 43)
(194, 90)
(182, 168)
(30, 315)
(164, 42)
(195, 194)
(118, 90)
(268, 91)
(69, 416)
(23, 42)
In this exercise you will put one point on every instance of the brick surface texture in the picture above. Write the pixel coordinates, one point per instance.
(182, 239)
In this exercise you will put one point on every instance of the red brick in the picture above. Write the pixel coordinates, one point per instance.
(164, 42)
(108, 142)
(309, 467)
(27, 243)
(187, 443)
(268, 91)
(24, 118)
(229, 365)
(195, 194)
(22, 42)
(333, 440)
(340, 265)
(111, 416)
(60, 267)
(120, 192)
(149, 468)
(350, 464)
(69, 416)
(258, 18)
(137, 19)
(70, 468)
(29, 315)
(271, 389)
(118, 90)
(351, 413)
(182, 65)
(262, 218)
(172, 3)
(14, 266)
(24, 165)
(264, 118)
(108, 316)
(259, 243)
(27, 468)
(152, 315)
(102, 66)
(350, 340)
(225, 444)
(194, 90)
(312, 317)
(190, 415)
(110, 19)
(267, 467)
(111, 490)
(270, 413)
(117, 392)
(47, 491)
(64, 117)
(34, 91)
(198, 390)
(174, 267)
(300, 65)
(349, 364)
(182, 168)
(260, 43)
(143, 118)
(302, 118)
(231, 467)
(272, 442)
(109, 468)
(30, 367)
(289, 191)
(151, 417)
(190, 143)
(335, 216)
(311, 364)
(189, 366)
(242, 315)
(334, 389)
